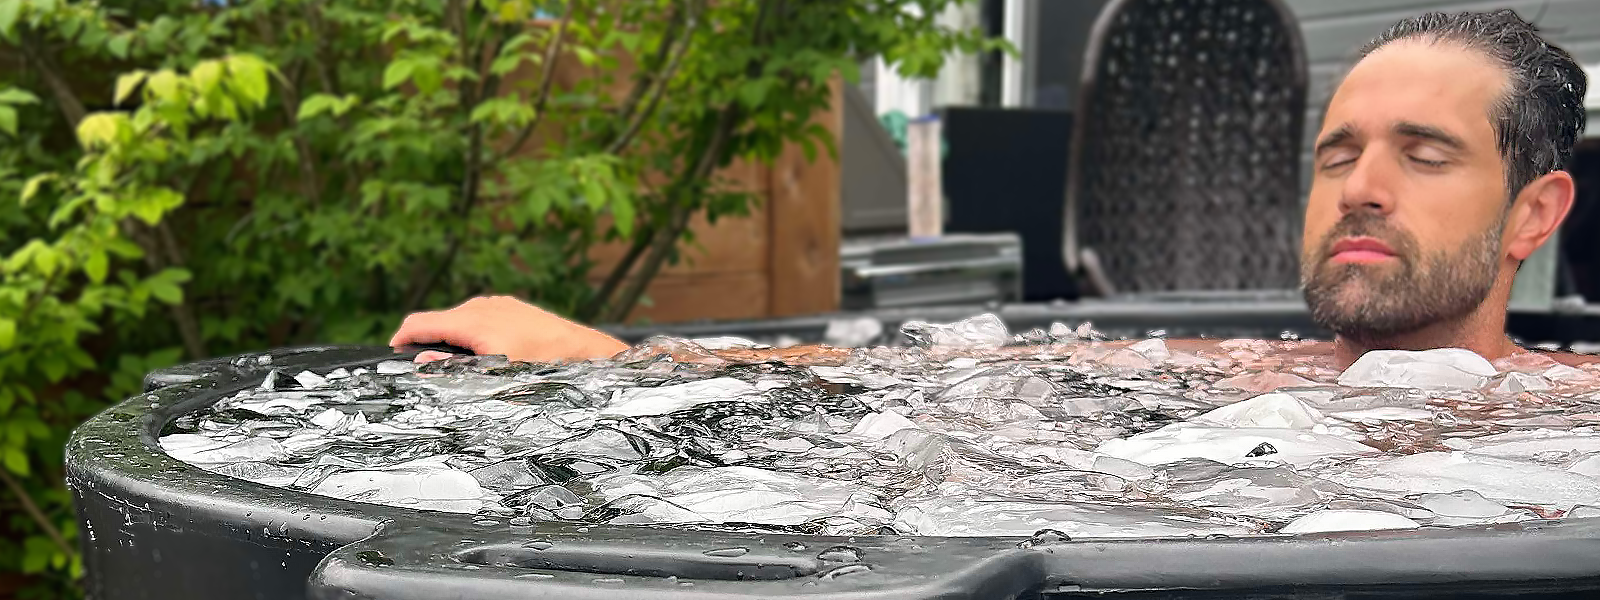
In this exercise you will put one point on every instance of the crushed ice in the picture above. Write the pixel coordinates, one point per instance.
(971, 431)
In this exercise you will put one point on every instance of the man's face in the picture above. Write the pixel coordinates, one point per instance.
(1408, 200)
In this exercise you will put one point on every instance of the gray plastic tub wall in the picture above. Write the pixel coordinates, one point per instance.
(154, 527)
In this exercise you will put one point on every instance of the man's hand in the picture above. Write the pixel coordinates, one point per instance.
(505, 325)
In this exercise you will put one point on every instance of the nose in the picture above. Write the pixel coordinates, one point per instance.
(1369, 187)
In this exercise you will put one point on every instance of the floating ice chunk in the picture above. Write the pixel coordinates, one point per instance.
(985, 331)
(1589, 467)
(1276, 492)
(1262, 381)
(1348, 520)
(880, 425)
(794, 444)
(728, 342)
(637, 402)
(1516, 383)
(750, 495)
(270, 382)
(439, 488)
(852, 333)
(259, 472)
(1528, 444)
(1280, 411)
(1153, 349)
(957, 516)
(396, 367)
(186, 447)
(309, 380)
(1126, 358)
(1494, 478)
(639, 510)
(1231, 445)
(330, 419)
(1568, 375)
(1385, 413)
(1463, 507)
(1443, 368)
(866, 379)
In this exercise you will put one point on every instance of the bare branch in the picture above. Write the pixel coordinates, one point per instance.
(546, 82)
(71, 107)
(658, 84)
(37, 515)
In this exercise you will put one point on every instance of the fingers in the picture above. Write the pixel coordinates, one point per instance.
(427, 356)
(430, 327)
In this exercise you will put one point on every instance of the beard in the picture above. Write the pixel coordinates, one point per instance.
(1368, 303)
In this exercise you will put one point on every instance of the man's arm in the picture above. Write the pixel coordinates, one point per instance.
(505, 325)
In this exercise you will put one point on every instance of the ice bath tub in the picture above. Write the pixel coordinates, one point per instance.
(154, 527)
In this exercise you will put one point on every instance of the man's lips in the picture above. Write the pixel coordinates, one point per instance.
(1361, 250)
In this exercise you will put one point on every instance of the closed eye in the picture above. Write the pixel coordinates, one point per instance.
(1428, 163)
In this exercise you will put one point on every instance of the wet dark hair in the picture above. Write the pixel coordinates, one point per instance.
(1541, 114)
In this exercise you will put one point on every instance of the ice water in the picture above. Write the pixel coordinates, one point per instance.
(970, 431)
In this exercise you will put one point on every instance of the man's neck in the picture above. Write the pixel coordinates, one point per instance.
(1482, 332)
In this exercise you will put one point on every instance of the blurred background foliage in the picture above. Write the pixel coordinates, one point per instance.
(181, 180)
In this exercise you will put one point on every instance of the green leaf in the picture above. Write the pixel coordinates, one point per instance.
(17, 95)
(10, 10)
(102, 129)
(166, 285)
(397, 73)
(623, 214)
(250, 77)
(8, 333)
(16, 462)
(118, 46)
(315, 105)
(8, 120)
(96, 265)
(164, 84)
(127, 83)
(206, 76)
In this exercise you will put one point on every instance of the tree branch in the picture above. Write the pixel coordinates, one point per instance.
(688, 184)
(546, 82)
(658, 85)
(37, 515)
(71, 107)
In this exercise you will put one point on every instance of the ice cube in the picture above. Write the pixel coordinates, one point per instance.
(852, 333)
(1442, 368)
(441, 489)
(1230, 445)
(980, 332)
(309, 380)
(645, 401)
(1281, 411)
(1348, 520)
(1494, 478)
(1153, 349)
(880, 425)
(1516, 383)
(966, 516)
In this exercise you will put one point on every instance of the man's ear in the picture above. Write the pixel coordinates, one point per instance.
(1540, 209)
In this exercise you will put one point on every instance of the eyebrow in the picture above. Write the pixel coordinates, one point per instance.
(1429, 132)
(1334, 138)
(1403, 128)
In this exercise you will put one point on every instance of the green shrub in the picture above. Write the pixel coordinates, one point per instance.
(201, 179)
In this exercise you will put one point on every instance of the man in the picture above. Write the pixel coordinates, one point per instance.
(1437, 171)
